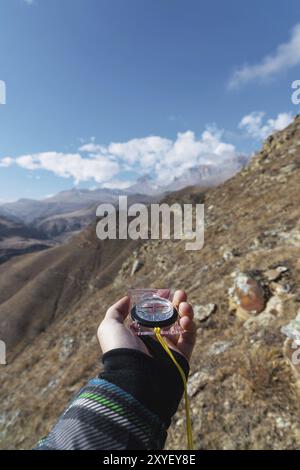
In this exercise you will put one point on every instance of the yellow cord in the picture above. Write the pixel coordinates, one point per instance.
(186, 398)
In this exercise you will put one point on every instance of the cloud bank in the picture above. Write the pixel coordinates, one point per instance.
(119, 164)
(163, 158)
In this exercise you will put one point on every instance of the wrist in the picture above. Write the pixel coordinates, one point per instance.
(153, 381)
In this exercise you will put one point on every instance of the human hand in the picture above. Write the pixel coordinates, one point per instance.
(113, 333)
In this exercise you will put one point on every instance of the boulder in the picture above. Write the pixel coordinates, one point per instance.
(248, 294)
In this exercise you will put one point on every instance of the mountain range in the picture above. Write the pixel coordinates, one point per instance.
(55, 219)
(70, 201)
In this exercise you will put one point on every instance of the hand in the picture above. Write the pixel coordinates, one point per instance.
(113, 333)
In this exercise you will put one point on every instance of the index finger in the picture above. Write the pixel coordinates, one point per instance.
(179, 296)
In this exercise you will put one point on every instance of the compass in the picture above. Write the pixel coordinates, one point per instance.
(154, 311)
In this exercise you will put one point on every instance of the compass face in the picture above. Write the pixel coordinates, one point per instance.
(154, 311)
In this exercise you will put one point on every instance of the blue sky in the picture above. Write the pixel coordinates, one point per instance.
(99, 92)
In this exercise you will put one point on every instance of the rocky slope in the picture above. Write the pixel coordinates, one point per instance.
(245, 285)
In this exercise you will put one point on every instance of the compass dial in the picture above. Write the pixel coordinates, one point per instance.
(154, 311)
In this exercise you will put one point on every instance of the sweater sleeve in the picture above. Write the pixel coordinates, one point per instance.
(128, 407)
(104, 417)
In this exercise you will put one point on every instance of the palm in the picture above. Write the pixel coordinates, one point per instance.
(113, 333)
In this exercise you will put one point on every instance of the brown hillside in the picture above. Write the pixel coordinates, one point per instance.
(37, 288)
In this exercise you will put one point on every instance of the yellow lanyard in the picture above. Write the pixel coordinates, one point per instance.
(186, 398)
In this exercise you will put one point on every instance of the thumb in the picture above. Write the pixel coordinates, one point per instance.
(119, 310)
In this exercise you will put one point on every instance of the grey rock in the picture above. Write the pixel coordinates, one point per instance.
(197, 382)
(275, 274)
(219, 347)
(202, 312)
(137, 265)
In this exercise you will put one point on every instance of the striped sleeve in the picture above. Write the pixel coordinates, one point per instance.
(102, 416)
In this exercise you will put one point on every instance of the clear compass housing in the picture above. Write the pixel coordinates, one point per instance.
(152, 308)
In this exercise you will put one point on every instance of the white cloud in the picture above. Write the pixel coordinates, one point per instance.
(145, 151)
(91, 147)
(6, 162)
(65, 165)
(287, 55)
(255, 126)
(29, 2)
